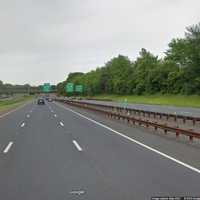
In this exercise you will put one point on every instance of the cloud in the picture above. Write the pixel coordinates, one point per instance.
(44, 40)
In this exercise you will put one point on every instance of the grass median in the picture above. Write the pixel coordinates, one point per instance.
(174, 100)
(7, 105)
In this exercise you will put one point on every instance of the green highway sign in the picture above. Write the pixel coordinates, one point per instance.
(46, 87)
(79, 88)
(69, 87)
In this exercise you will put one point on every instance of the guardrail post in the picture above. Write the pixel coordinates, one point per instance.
(191, 138)
(177, 133)
(175, 118)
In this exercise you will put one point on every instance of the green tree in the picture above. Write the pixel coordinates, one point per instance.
(119, 72)
(186, 54)
(145, 63)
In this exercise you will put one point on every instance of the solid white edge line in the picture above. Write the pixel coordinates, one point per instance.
(135, 141)
(8, 147)
(77, 145)
(61, 124)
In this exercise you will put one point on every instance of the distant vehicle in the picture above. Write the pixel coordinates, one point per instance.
(49, 99)
(40, 102)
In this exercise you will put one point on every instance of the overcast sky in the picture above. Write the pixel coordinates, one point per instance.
(43, 40)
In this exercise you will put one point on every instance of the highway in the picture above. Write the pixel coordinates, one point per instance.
(54, 152)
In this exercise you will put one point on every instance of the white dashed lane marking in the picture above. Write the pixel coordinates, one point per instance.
(77, 145)
(61, 124)
(8, 147)
(23, 124)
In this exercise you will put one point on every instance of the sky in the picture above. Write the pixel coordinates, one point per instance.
(44, 40)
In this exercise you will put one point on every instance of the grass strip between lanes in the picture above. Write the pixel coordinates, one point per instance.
(173, 100)
(7, 105)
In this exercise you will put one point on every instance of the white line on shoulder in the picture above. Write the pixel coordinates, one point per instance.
(133, 140)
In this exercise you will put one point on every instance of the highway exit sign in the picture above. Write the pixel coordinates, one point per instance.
(79, 88)
(46, 87)
(69, 87)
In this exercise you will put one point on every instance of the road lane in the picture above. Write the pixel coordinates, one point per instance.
(128, 166)
(82, 160)
(44, 163)
(179, 148)
(10, 124)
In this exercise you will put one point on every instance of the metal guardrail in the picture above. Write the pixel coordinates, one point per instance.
(178, 131)
(148, 113)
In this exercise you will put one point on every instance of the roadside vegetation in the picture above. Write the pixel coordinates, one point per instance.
(6, 105)
(9, 89)
(173, 79)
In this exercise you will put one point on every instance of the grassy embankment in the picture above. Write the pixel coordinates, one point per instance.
(175, 100)
(6, 105)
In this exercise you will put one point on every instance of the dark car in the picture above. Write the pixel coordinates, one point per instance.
(40, 102)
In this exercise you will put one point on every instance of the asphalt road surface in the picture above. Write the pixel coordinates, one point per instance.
(194, 112)
(51, 152)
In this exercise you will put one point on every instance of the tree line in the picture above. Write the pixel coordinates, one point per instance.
(178, 72)
(10, 89)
